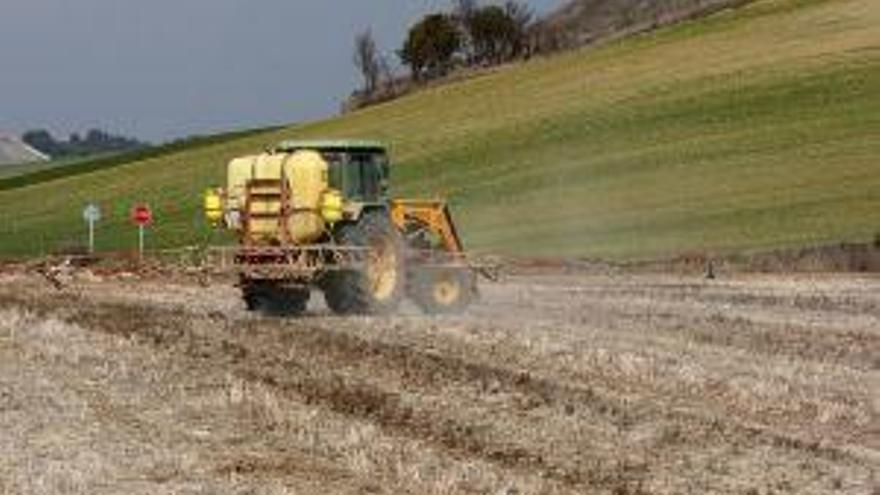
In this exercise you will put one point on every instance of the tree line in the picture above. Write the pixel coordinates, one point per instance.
(93, 142)
(471, 34)
(468, 35)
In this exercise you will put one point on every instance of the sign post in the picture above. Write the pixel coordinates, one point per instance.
(91, 215)
(142, 216)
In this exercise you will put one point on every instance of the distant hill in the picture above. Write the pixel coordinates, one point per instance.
(13, 151)
(12, 177)
(94, 142)
(581, 22)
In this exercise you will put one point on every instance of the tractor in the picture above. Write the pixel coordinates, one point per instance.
(317, 215)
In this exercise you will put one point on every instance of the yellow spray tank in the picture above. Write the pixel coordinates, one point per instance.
(279, 197)
(238, 173)
(307, 174)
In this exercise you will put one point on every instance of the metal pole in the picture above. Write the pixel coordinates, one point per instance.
(141, 241)
(91, 237)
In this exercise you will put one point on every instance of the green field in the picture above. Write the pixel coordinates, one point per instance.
(14, 176)
(7, 171)
(17, 176)
(753, 129)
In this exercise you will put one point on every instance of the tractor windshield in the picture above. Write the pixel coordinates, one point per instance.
(361, 176)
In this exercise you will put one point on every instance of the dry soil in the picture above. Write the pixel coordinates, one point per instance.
(551, 384)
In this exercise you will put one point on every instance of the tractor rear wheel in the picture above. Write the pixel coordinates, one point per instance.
(442, 290)
(275, 301)
(378, 286)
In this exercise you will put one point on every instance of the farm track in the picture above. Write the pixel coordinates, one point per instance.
(553, 384)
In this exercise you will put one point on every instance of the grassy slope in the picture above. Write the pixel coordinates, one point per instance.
(7, 172)
(36, 173)
(753, 129)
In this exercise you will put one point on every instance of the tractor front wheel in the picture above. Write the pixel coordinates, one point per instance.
(442, 290)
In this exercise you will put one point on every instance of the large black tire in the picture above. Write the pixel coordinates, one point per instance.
(380, 285)
(442, 290)
(275, 301)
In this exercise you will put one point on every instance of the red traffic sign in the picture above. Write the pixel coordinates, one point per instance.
(141, 215)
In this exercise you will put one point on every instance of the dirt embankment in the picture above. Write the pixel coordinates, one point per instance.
(561, 384)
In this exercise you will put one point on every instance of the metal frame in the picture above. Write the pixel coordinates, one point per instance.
(287, 262)
(251, 197)
(309, 261)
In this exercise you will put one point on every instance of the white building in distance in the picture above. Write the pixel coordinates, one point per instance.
(14, 151)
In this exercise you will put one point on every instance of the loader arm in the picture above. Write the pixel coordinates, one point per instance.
(431, 214)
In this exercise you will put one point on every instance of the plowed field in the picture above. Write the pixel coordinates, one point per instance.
(551, 384)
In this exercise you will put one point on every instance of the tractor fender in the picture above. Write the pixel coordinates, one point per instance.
(354, 211)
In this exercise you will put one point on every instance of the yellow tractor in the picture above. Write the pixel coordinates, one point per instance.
(316, 214)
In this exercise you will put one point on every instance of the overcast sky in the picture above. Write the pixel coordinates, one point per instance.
(158, 69)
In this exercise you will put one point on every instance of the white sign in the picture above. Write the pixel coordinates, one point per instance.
(92, 213)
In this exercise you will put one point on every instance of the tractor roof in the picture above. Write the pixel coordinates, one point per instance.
(330, 145)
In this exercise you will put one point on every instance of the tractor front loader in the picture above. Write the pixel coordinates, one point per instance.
(316, 214)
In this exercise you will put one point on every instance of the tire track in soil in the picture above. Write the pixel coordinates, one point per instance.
(297, 379)
(429, 370)
(612, 312)
(707, 293)
(848, 348)
(715, 324)
(162, 329)
(125, 420)
(234, 346)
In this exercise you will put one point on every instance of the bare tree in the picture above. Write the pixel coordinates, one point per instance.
(464, 9)
(366, 59)
(464, 12)
(386, 74)
(521, 16)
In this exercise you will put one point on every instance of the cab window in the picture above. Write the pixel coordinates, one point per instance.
(360, 176)
(335, 164)
(368, 172)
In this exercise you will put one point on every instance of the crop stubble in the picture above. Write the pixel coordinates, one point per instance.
(651, 384)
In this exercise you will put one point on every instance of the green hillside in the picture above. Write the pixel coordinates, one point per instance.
(17, 176)
(753, 129)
